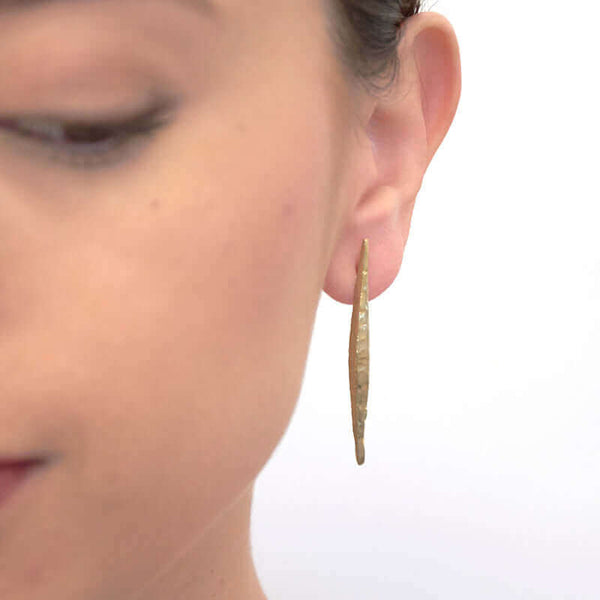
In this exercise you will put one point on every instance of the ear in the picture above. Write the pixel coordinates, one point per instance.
(401, 134)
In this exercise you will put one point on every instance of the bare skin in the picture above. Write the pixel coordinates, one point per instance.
(156, 312)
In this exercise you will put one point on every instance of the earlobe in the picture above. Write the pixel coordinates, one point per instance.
(378, 218)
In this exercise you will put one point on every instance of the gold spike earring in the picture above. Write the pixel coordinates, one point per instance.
(358, 353)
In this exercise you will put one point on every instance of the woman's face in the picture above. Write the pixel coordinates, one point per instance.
(157, 300)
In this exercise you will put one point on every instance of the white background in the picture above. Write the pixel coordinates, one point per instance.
(482, 472)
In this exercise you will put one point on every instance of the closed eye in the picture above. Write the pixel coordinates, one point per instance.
(88, 143)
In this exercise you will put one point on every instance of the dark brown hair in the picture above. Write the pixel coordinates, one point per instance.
(366, 34)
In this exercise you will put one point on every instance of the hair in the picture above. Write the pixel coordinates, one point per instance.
(366, 34)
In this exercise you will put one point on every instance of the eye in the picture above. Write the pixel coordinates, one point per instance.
(87, 143)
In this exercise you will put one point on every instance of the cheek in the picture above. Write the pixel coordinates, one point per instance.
(201, 330)
(209, 343)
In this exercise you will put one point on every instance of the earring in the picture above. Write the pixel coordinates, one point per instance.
(358, 353)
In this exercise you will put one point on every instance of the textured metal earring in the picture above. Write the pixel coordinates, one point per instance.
(358, 353)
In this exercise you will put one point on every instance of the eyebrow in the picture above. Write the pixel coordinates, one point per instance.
(205, 6)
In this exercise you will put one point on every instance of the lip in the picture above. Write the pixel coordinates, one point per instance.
(14, 472)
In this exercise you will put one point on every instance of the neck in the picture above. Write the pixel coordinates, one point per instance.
(219, 566)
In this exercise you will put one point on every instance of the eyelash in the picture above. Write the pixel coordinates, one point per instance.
(105, 141)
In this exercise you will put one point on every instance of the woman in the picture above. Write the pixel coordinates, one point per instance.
(179, 181)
